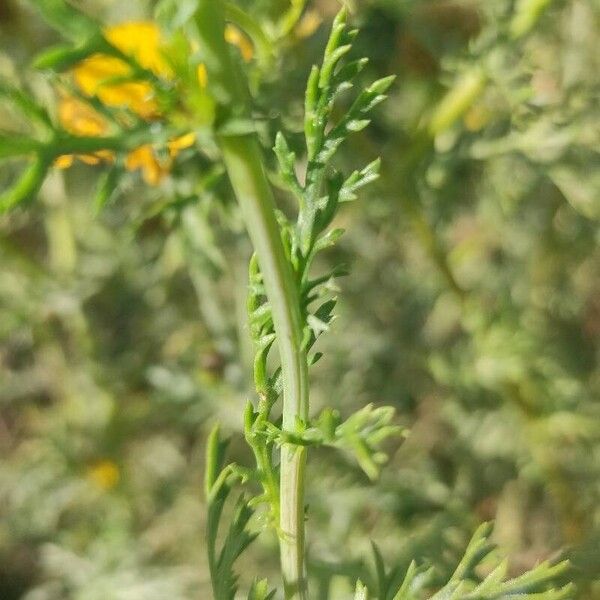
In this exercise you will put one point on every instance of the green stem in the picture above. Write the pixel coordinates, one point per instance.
(244, 166)
(243, 161)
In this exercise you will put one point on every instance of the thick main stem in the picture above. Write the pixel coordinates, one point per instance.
(243, 161)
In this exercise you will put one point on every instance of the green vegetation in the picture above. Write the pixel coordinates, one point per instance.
(175, 181)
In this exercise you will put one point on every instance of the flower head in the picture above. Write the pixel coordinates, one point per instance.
(105, 474)
(126, 82)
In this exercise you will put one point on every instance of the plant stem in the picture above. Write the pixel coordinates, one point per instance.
(291, 521)
(244, 166)
(243, 161)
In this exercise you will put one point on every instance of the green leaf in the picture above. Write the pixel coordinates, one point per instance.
(406, 589)
(260, 591)
(27, 185)
(62, 57)
(175, 14)
(287, 162)
(359, 179)
(457, 100)
(71, 23)
(361, 592)
(107, 188)
(27, 105)
(215, 456)
(218, 486)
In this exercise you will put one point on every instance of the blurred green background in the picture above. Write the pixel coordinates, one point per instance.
(473, 307)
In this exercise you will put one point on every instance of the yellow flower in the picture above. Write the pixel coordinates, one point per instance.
(180, 143)
(79, 118)
(153, 169)
(93, 77)
(235, 37)
(142, 41)
(64, 161)
(309, 23)
(105, 474)
(111, 80)
(144, 158)
(476, 118)
(202, 75)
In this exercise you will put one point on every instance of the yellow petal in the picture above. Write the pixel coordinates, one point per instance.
(105, 474)
(137, 96)
(180, 143)
(94, 74)
(64, 161)
(105, 155)
(93, 77)
(80, 118)
(88, 159)
(142, 41)
(308, 24)
(202, 75)
(234, 36)
(476, 118)
(144, 158)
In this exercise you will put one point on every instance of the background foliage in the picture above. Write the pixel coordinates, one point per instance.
(473, 307)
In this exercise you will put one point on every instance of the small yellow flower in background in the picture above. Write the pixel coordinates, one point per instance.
(476, 118)
(202, 75)
(235, 37)
(144, 158)
(308, 24)
(65, 161)
(103, 76)
(153, 169)
(105, 474)
(180, 143)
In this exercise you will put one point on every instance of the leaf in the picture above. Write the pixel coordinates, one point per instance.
(361, 592)
(358, 180)
(287, 161)
(406, 589)
(107, 188)
(63, 57)
(27, 105)
(217, 485)
(27, 185)
(175, 14)
(260, 591)
(71, 23)
(579, 186)
(215, 456)
(457, 100)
